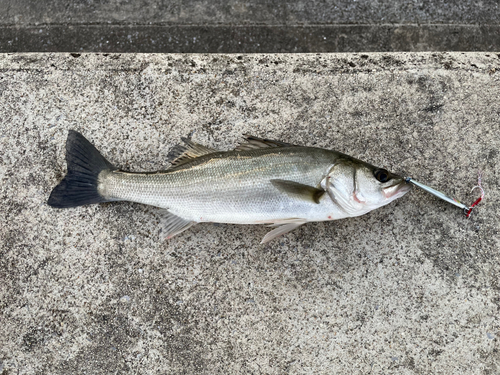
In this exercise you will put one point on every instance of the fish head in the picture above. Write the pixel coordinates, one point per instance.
(358, 187)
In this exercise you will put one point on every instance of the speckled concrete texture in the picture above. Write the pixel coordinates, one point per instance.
(411, 288)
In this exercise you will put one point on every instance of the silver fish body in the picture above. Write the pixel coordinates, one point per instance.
(259, 182)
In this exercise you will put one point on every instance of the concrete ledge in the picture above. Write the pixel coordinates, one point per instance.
(199, 26)
(410, 288)
(249, 38)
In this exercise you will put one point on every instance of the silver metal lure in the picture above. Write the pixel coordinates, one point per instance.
(453, 201)
(436, 193)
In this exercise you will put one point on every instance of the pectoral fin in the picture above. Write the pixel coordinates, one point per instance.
(298, 190)
(281, 230)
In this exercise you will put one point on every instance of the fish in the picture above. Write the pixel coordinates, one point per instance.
(260, 181)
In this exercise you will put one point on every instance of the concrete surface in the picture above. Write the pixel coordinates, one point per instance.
(411, 288)
(248, 27)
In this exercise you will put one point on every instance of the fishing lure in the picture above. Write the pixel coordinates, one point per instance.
(455, 202)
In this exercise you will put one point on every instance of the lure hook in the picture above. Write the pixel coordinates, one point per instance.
(478, 186)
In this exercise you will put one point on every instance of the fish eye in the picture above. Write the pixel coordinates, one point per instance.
(382, 175)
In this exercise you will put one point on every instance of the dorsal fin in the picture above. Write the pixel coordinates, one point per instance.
(181, 154)
(252, 143)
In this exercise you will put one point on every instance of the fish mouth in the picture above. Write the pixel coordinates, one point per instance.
(396, 190)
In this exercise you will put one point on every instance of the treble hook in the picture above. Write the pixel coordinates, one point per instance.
(478, 186)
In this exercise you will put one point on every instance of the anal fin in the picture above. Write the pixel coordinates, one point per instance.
(173, 224)
(282, 229)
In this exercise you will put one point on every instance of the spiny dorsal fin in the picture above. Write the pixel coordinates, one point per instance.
(181, 154)
(252, 143)
(298, 190)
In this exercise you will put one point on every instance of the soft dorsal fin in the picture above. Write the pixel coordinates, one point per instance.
(181, 154)
(298, 190)
(252, 143)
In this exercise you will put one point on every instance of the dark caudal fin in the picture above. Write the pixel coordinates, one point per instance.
(79, 186)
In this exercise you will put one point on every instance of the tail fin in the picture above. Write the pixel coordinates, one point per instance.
(79, 186)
